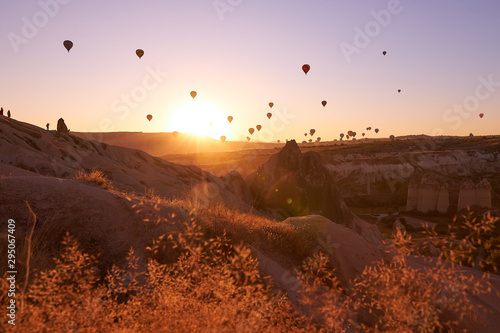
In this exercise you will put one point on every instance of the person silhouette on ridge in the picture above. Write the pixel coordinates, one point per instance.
(1, 112)
(8, 113)
(48, 126)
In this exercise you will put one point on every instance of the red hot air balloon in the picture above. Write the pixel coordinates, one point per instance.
(384, 53)
(223, 138)
(193, 94)
(481, 115)
(399, 90)
(258, 127)
(305, 134)
(271, 104)
(323, 103)
(230, 119)
(312, 131)
(149, 117)
(306, 68)
(251, 130)
(68, 44)
(269, 115)
(139, 53)
(376, 130)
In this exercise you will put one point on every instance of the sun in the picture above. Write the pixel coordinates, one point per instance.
(200, 118)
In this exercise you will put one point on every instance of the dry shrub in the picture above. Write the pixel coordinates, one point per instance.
(94, 176)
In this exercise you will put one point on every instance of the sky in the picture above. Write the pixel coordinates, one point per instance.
(239, 55)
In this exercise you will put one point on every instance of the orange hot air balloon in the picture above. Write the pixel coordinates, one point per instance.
(350, 132)
(139, 53)
(251, 130)
(271, 104)
(312, 131)
(248, 138)
(306, 68)
(258, 127)
(68, 44)
(193, 94)
(230, 119)
(481, 115)
(175, 133)
(384, 53)
(223, 138)
(323, 103)
(269, 115)
(149, 117)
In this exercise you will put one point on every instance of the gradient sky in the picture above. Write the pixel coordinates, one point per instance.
(243, 54)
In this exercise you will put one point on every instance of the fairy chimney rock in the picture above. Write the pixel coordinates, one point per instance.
(443, 201)
(483, 194)
(61, 126)
(428, 194)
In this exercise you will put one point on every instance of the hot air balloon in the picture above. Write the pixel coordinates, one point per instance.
(68, 44)
(306, 68)
(279, 141)
(318, 139)
(391, 137)
(353, 134)
(193, 94)
(248, 138)
(269, 115)
(312, 131)
(251, 130)
(368, 128)
(481, 115)
(349, 133)
(223, 138)
(149, 117)
(384, 53)
(347, 137)
(305, 134)
(376, 130)
(310, 140)
(139, 53)
(399, 90)
(363, 134)
(323, 103)
(271, 104)
(341, 136)
(175, 133)
(230, 119)
(258, 127)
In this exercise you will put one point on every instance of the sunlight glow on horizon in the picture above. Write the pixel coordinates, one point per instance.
(199, 118)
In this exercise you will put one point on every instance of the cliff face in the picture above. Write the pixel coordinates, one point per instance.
(297, 184)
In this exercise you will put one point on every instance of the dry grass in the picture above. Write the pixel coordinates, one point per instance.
(202, 279)
(94, 176)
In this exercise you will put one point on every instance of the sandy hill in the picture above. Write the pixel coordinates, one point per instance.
(53, 154)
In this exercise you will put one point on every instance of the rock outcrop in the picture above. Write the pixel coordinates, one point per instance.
(297, 184)
(474, 195)
(61, 126)
(426, 194)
